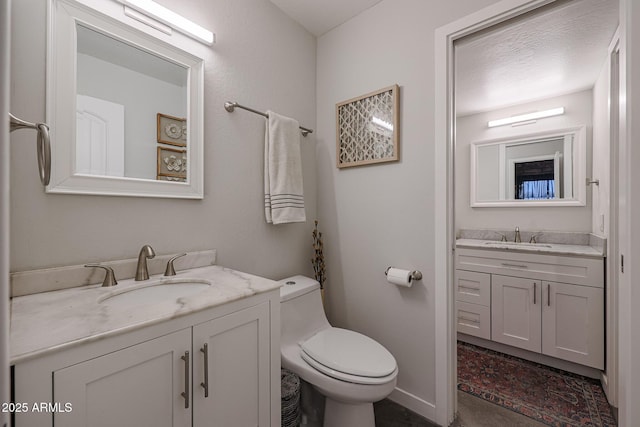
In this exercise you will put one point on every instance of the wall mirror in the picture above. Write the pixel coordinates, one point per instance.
(125, 108)
(534, 170)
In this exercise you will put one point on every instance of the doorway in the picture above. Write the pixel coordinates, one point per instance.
(494, 22)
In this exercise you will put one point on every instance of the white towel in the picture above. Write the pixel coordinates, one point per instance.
(283, 196)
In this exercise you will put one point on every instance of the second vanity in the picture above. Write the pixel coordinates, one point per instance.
(546, 298)
(198, 348)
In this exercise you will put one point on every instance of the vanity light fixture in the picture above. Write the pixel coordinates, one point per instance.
(526, 117)
(172, 19)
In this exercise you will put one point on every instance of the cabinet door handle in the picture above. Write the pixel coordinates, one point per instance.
(506, 264)
(205, 384)
(548, 295)
(534, 292)
(185, 393)
(468, 319)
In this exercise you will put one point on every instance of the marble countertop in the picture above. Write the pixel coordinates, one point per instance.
(51, 321)
(539, 248)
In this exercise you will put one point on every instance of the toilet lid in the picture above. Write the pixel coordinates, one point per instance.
(349, 352)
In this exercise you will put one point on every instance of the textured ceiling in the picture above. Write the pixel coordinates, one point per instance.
(552, 51)
(318, 17)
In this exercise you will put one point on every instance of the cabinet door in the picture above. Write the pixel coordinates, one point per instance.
(516, 312)
(137, 386)
(573, 323)
(236, 370)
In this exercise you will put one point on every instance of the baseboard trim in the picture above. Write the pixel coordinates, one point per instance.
(414, 403)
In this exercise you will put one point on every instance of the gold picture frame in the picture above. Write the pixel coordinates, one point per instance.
(172, 130)
(172, 164)
(367, 129)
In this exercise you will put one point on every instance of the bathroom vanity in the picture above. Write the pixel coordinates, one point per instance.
(199, 348)
(544, 298)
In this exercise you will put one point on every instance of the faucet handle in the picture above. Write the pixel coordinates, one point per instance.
(170, 271)
(533, 238)
(109, 277)
(503, 237)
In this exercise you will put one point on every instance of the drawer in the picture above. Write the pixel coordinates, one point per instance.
(556, 268)
(473, 287)
(473, 319)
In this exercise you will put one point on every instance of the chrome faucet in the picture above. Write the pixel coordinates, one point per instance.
(517, 239)
(142, 272)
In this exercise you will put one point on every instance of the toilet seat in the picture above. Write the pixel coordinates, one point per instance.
(349, 356)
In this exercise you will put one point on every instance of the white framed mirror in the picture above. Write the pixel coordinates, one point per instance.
(125, 108)
(543, 169)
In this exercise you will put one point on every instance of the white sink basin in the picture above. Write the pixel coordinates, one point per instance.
(153, 293)
(515, 245)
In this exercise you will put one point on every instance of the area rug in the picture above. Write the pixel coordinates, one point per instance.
(548, 395)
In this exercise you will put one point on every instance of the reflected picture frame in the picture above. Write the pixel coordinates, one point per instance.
(172, 164)
(367, 130)
(172, 130)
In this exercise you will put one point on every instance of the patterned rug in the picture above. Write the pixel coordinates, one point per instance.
(548, 395)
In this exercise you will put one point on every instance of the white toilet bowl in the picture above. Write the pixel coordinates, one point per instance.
(350, 369)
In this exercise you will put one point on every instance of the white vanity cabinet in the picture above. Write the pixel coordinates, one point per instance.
(547, 304)
(515, 312)
(473, 303)
(231, 370)
(138, 385)
(573, 323)
(217, 367)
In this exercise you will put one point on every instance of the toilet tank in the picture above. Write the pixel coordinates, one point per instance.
(301, 311)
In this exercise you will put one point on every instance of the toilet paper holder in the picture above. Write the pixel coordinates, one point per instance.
(415, 274)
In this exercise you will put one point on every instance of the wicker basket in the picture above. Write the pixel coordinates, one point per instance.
(290, 400)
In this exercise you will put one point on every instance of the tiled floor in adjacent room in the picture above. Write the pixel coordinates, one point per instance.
(472, 412)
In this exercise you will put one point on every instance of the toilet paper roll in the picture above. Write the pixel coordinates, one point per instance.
(399, 277)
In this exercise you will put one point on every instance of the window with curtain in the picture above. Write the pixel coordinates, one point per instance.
(535, 180)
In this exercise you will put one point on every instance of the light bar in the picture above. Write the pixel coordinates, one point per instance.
(526, 117)
(172, 19)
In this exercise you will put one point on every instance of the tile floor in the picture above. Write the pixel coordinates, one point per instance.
(472, 412)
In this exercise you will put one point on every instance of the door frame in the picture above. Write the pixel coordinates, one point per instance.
(5, 70)
(444, 238)
(609, 377)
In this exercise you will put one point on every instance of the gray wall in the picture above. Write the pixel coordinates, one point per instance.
(383, 215)
(473, 128)
(262, 59)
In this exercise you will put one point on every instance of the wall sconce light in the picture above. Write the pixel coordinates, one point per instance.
(526, 117)
(172, 19)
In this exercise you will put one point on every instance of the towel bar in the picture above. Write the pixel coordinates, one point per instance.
(231, 106)
(44, 145)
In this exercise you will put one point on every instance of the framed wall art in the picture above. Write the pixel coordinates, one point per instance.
(172, 130)
(367, 128)
(172, 164)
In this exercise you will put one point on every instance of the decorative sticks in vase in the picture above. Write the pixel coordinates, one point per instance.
(318, 258)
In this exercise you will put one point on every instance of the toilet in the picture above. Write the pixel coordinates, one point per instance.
(349, 369)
